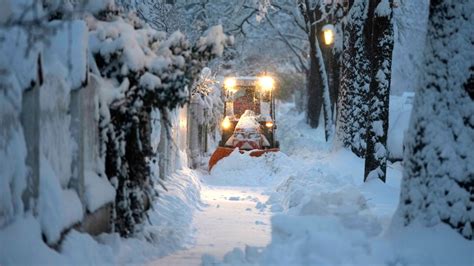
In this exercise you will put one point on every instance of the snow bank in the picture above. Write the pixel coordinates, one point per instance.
(173, 211)
(325, 214)
(170, 230)
(243, 170)
(22, 244)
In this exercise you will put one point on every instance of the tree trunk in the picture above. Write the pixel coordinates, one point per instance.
(346, 77)
(380, 40)
(315, 96)
(355, 78)
(438, 181)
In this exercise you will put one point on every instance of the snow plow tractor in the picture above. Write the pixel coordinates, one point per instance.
(249, 118)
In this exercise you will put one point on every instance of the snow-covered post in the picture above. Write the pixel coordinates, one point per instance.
(328, 124)
(77, 129)
(30, 120)
(438, 178)
(196, 115)
(380, 46)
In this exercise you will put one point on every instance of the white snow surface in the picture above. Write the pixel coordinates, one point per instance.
(303, 206)
(98, 191)
(248, 120)
(242, 170)
(57, 208)
(323, 213)
(170, 229)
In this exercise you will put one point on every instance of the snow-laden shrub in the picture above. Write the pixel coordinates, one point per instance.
(207, 94)
(144, 70)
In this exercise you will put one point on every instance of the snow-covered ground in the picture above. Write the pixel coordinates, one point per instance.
(170, 229)
(305, 205)
(323, 212)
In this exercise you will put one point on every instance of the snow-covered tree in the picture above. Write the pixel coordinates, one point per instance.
(380, 44)
(314, 14)
(355, 79)
(438, 180)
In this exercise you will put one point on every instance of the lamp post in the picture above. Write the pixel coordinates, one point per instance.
(329, 37)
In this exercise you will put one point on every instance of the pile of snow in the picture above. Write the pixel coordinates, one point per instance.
(240, 169)
(170, 230)
(97, 191)
(173, 211)
(325, 214)
(248, 120)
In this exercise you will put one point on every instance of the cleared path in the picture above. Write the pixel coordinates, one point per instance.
(232, 218)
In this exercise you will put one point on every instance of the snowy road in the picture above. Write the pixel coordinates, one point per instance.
(230, 219)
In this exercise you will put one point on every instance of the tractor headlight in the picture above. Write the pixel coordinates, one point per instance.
(266, 83)
(269, 124)
(226, 123)
(230, 83)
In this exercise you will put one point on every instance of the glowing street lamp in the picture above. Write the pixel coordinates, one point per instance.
(328, 34)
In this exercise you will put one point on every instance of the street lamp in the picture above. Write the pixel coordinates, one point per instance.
(328, 34)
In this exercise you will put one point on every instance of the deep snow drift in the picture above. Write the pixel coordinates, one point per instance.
(306, 205)
(170, 229)
(323, 213)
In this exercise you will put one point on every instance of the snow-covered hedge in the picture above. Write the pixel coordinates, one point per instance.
(65, 69)
(144, 70)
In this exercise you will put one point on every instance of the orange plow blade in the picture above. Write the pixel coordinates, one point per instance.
(222, 152)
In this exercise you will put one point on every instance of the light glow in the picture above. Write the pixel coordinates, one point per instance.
(226, 123)
(328, 34)
(269, 124)
(230, 83)
(266, 83)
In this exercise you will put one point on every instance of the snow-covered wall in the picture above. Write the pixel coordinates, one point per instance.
(48, 130)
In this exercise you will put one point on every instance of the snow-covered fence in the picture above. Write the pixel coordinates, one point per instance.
(170, 144)
(49, 134)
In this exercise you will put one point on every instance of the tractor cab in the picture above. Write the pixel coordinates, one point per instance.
(249, 117)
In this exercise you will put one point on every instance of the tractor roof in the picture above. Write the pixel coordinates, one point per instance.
(246, 81)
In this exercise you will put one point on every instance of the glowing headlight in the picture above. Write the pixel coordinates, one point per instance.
(226, 123)
(230, 83)
(266, 83)
(269, 124)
